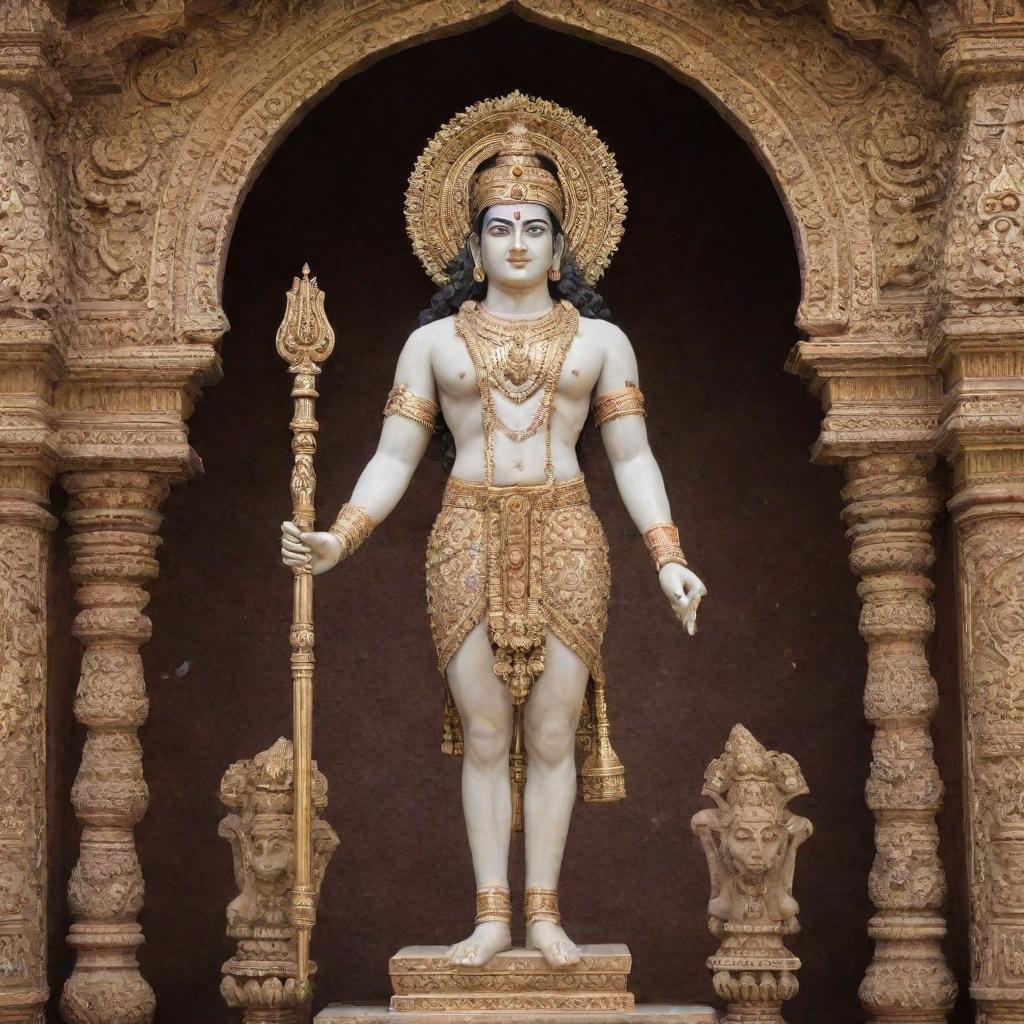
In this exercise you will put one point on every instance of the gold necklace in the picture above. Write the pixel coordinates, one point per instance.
(517, 354)
(479, 343)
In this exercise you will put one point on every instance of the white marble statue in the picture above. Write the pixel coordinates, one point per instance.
(515, 370)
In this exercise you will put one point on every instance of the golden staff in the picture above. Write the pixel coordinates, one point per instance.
(304, 339)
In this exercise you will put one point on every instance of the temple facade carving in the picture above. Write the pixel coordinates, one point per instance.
(894, 133)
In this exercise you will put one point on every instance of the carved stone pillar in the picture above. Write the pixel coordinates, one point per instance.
(992, 590)
(889, 508)
(115, 516)
(881, 393)
(30, 363)
(984, 439)
(979, 346)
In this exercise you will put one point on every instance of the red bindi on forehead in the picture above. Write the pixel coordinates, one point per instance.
(517, 215)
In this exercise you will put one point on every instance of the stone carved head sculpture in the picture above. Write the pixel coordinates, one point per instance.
(260, 795)
(750, 840)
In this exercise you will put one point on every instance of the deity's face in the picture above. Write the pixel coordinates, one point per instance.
(754, 846)
(517, 245)
(271, 856)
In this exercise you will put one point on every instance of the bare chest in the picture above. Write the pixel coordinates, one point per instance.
(457, 379)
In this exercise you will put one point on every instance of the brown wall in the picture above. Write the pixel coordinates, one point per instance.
(706, 285)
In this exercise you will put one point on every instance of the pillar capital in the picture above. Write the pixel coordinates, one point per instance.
(879, 393)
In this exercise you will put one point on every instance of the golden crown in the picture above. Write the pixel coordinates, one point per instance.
(515, 149)
(518, 176)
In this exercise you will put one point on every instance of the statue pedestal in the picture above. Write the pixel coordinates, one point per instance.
(517, 985)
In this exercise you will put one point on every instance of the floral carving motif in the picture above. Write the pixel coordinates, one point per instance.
(27, 282)
(985, 252)
(22, 745)
(106, 883)
(903, 146)
(993, 567)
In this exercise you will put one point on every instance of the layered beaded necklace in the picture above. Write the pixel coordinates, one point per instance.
(518, 358)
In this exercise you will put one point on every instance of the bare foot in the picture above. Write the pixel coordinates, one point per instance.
(488, 938)
(558, 949)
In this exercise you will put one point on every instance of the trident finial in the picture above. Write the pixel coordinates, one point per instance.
(305, 334)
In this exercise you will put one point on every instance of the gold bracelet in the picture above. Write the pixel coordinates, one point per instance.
(627, 401)
(402, 402)
(662, 540)
(542, 905)
(352, 527)
(493, 903)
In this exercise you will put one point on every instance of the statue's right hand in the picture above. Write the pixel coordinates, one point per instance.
(319, 550)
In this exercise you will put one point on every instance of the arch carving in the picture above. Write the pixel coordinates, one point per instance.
(159, 172)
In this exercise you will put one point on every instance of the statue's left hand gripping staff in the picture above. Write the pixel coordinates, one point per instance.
(304, 339)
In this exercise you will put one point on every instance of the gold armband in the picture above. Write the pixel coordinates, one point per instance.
(352, 527)
(662, 540)
(402, 402)
(627, 401)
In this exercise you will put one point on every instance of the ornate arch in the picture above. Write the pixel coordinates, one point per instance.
(855, 153)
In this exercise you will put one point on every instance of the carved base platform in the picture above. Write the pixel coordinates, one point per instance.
(337, 1013)
(519, 979)
(517, 985)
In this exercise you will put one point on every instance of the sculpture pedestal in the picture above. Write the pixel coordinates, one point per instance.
(517, 985)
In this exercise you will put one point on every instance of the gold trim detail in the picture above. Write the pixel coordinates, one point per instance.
(402, 402)
(437, 202)
(627, 401)
(493, 903)
(352, 527)
(662, 541)
(542, 905)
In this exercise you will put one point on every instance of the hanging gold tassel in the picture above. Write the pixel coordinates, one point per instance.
(604, 778)
(517, 768)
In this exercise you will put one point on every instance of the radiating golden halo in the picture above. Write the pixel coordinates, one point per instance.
(437, 200)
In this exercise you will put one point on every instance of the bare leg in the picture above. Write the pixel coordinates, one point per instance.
(486, 709)
(551, 716)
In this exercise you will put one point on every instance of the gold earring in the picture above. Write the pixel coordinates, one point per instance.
(554, 274)
(478, 274)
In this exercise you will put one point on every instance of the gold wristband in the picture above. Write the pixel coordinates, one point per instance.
(402, 402)
(494, 903)
(627, 401)
(662, 540)
(542, 905)
(352, 527)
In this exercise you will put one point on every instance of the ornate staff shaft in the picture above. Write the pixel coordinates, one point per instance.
(304, 339)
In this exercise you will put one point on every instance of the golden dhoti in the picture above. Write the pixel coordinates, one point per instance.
(532, 558)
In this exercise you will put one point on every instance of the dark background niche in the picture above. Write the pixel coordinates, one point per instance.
(706, 285)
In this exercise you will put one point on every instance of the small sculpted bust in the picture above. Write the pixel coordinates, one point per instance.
(751, 838)
(260, 795)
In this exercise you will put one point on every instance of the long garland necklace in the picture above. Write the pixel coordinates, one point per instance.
(517, 358)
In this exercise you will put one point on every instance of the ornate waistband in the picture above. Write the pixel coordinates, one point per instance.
(466, 494)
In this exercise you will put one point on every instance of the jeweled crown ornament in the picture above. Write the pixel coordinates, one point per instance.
(516, 149)
(517, 176)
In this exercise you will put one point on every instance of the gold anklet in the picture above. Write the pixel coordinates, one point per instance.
(542, 905)
(493, 903)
